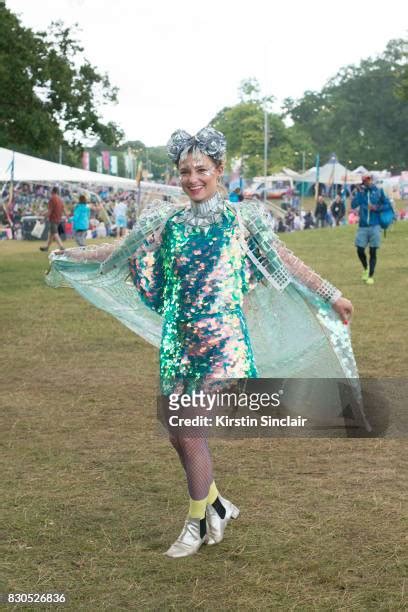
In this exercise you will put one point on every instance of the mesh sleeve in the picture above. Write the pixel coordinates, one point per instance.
(299, 270)
(259, 223)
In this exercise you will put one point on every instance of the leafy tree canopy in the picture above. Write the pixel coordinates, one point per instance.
(243, 126)
(361, 113)
(50, 93)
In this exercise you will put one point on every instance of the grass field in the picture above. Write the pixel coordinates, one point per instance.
(92, 494)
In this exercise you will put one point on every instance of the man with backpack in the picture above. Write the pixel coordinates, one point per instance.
(375, 212)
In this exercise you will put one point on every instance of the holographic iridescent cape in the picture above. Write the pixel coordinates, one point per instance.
(282, 308)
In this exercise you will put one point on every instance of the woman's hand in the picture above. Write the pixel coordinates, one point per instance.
(344, 308)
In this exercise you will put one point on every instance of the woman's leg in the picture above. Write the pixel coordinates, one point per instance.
(174, 441)
(195, 457)
(204, 357)
(198, 466)
(194, 454)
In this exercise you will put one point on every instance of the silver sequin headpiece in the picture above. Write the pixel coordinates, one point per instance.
(208, 140)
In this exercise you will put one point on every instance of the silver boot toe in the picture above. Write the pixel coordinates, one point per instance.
(189, 540)
(215, 524)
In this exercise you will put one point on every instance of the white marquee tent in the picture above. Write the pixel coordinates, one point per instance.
(332, 173)
(33, 169)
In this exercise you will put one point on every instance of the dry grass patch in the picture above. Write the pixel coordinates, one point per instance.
(93, 494)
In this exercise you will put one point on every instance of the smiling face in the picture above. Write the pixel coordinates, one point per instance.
(199, 176)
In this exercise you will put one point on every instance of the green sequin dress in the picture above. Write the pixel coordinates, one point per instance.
(197, 281)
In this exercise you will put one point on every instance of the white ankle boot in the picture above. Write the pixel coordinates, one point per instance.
(189, 540)
(215, 524)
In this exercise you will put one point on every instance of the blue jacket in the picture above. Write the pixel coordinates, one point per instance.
(376, 197)
(81, 217)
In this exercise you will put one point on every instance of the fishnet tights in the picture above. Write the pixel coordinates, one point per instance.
(195, 458)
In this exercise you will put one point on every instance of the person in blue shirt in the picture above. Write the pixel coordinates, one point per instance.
(370, 200)
(236, 195)
(81, 218)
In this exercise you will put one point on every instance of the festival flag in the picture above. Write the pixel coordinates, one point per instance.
(9, 209)
(139, 174)
(128, 157)
(85, 160)
(99, 164)
(114, 164)
(106, 160)
(317, 175)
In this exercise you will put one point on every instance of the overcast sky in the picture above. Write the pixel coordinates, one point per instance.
(177, 63)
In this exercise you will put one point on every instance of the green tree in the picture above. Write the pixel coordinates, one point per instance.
(243, 126)
(302, 149)
(50, 93)
(160, 164)
(358, 114)
(402, 75)
(249, 90)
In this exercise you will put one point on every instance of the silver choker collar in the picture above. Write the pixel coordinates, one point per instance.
(204, 214)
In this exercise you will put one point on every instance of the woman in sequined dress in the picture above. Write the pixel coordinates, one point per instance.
(193, 267)
(195, 276)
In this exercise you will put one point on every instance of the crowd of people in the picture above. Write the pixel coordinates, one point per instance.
(86, 211)
(296, 219)
(97, 212)
(32, 198)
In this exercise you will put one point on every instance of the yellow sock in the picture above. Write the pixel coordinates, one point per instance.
(212, 493)
(197, 508)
